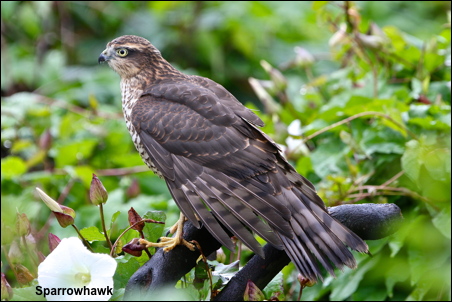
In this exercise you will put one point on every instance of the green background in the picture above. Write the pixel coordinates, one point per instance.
(61, 121)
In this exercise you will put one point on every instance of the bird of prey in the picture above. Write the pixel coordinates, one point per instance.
(219, 166)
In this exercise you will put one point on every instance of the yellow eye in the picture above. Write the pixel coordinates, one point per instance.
(122, 52)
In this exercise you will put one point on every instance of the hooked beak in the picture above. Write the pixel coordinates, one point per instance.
(103, 57)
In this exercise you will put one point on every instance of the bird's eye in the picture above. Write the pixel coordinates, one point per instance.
(122, 52)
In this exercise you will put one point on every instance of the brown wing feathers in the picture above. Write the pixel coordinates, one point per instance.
(213, 159)
(220, 167)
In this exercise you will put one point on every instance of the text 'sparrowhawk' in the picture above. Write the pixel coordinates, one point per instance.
(219, 166)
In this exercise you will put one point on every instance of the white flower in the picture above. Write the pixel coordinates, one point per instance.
(71, 266)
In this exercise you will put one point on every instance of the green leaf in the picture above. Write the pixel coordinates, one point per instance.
(382, 141)
(396, 244)
(328, 158)
(118, 294)
(28, 293)
(349, 281)
(201, 270)
(153, 231)
(92, 234)
(398, 272)
(68, 125)
(71, 153)
(114, 217)
(275, 288)
(13, 166)
(437, 162)
(127, 266)
(21, 145)
(29, 20)
(316, 5)
(421, 289)
(427, 163)
(85, 173)
(369, 293)
(442, 222)
(304, 165)
(411, 160)
(429, 123)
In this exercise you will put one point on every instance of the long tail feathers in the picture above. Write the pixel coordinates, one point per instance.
(294, 222)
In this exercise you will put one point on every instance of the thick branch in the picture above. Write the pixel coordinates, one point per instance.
(369, 221)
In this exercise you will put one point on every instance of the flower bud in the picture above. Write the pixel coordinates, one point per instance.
(97, 193)
(64, 220)
(64, 215)
(68, 211)
(340, 37)
(45, 141)
(22, 224)
(14, 253)
(30, 241)
(303, 57)
(134, 247)
(305, 282)
(134, 189)
(134, 217)
(53, 241)
(371, 41)
(271, 106)
(7, 291)
(221, 256)
(52, 204)
(23, 274)
(276, 76)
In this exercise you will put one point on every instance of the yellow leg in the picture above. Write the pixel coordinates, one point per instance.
(168, 243)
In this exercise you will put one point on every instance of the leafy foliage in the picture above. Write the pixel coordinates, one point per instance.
(366, 119)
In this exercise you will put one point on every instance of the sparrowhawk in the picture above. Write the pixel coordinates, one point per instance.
(219, 166)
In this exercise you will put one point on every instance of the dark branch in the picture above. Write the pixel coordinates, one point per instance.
(369, 221)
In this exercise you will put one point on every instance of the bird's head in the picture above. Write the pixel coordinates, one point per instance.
(128, 55)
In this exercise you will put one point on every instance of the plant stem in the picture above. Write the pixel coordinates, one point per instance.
(125, 231)
(83, 238)
(357, 116)
(104, 228)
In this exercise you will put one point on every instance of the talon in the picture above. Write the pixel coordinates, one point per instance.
(169, 243)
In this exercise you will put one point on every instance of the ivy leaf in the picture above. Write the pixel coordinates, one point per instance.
(28, 293)
(442, 222)
(153, 231)
(127, 266)
(349, 281)
(118, 294)
(437, 162)
(92, 234)
(411, 160)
